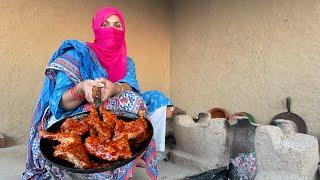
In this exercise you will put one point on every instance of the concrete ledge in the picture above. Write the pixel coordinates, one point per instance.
(278, 175)
(202, 144)
(282, 156)
(187, 160)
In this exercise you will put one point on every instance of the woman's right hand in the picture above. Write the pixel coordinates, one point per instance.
(86, 86)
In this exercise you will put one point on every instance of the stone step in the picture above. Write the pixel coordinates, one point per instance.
(186, 160)
(167, 170)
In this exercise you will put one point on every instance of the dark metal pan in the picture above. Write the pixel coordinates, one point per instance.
(301, 125)
(47, 147)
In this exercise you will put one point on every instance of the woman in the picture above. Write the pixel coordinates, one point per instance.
(72, 72)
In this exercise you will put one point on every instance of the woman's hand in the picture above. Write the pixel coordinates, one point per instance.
(109, 89)
(85, 87)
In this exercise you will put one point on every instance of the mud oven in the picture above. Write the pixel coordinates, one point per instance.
(235, 147)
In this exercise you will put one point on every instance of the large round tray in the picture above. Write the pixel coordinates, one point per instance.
(47, 147)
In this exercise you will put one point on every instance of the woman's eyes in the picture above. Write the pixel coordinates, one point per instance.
(117, 25)
(107, 24)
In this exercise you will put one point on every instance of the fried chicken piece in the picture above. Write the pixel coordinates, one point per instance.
(137, 129)
(70, 148)
(81, 126)
(77, 127)
(103, 129)
(108, 117)
(110, 150)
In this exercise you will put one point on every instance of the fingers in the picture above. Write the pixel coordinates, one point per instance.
(87, 89)
(99, 84)
(106, 90)
(100, 80)
(103, 91)
(106, 93)
(89, 97)
(105, 97)
(103, 81)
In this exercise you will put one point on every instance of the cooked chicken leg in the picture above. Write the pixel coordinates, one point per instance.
(74, 126)
(108, 117)
(137, 129)
(70, 149)
(110, 150)
(103, 129)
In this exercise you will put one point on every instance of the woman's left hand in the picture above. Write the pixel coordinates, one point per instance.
(109, 90)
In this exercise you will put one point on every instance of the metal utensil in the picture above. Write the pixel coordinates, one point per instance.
(301, 125)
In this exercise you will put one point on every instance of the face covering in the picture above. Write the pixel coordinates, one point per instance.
(109, 44)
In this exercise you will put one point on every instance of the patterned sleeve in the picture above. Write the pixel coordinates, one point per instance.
(65, 79)
(130, 77)
(63, 83)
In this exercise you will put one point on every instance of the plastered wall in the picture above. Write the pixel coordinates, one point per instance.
(30, 31)
(242, 55)
(247, 56)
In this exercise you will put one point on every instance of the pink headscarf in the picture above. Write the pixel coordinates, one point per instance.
(109, 44)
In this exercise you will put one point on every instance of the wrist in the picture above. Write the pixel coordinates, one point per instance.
(119, 88)
(77, 92)
(79, 89)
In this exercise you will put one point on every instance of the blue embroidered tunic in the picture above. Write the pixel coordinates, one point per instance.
(153, 99)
